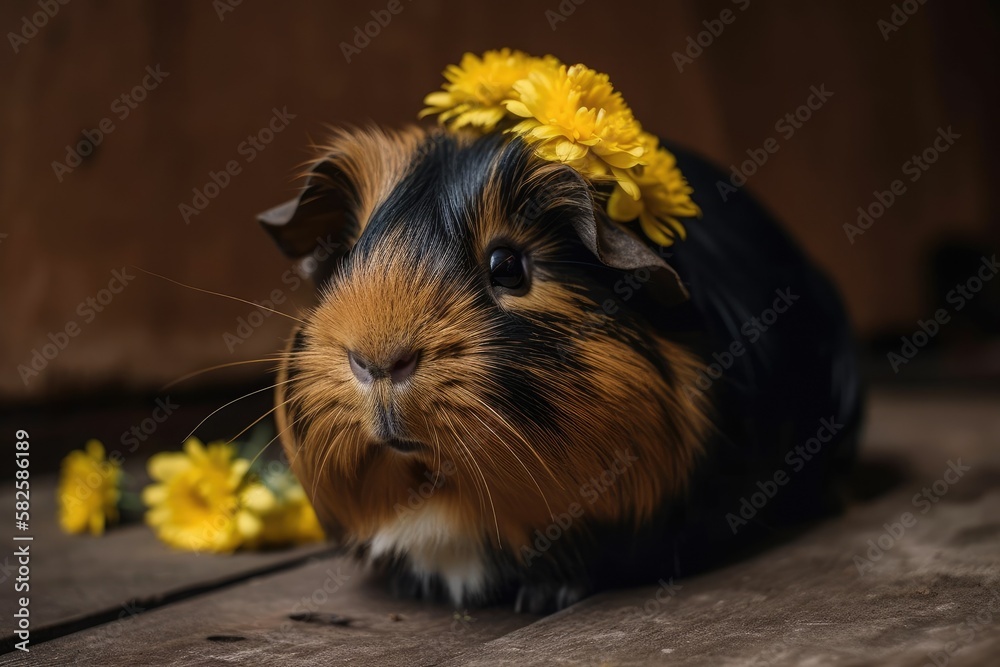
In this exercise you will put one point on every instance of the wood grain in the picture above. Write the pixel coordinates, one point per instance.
(121, 206)
(78, 580)
(344, 619)
(804, 601)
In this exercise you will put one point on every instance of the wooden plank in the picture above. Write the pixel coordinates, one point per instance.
(918, 428)
(806, 602)
(801, 602)
(79, 580)
(343, 618)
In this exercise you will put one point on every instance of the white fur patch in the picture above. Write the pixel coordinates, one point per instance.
(434, 545)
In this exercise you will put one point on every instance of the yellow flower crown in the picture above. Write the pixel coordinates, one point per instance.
(571, 115)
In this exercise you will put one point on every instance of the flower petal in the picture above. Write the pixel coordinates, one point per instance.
(517, 108)
(622, 207)
(167, 465)
(655, 230)
(155, 494)
(626, 183)
(95, 450)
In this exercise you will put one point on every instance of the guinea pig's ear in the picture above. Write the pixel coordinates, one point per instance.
(317, 220)
(619, 248)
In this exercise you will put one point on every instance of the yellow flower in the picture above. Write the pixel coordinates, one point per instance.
(195, 503)
(571, 115)
(574, 115)
(477, 87)
(294, 522)
(664, 195)
(285, 517)
(88, 490)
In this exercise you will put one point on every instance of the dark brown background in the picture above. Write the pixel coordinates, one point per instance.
(121, 206)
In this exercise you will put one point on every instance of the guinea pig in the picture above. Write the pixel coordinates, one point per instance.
(501, 394)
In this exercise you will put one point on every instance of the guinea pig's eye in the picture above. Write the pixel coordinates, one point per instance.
(507, 270)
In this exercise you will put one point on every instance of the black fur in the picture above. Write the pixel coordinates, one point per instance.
(769, 400)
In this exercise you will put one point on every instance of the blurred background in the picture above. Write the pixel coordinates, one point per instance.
(150, 134)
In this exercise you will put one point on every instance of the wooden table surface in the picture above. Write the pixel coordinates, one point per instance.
(932, 598)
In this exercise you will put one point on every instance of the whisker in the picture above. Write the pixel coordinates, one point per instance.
(320, 455)
(217, 367)
(299, 446)
(462, 453)
(256, 421)
(436, 460)
(518, 459)
(271, 441)
(225, 296)
(316, 473)
(496, 523)
(307, 414)
(515, 433)
(256, 391)
(322, 465)
(439, 453)
(486, 485)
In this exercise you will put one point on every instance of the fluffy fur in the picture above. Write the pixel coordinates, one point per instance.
(524, 406)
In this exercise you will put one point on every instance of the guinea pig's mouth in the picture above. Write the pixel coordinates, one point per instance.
(404, 446)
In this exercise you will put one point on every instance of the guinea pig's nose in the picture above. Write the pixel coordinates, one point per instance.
(398, 368)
